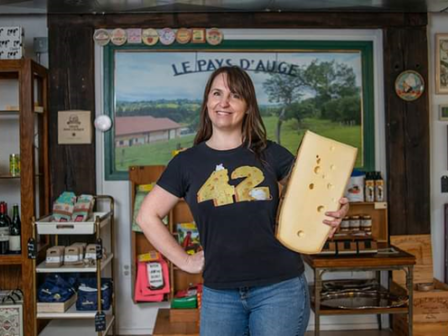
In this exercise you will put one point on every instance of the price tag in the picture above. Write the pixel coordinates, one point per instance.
(99, 248)
(32, 248)
(444, 181)
(100, 322)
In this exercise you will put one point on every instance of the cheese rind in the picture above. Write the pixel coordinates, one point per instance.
(316, 183)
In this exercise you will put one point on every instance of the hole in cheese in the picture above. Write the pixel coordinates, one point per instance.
(318, 160)
(320, 208)
(317, 169)
(330, 186)
(332, 167)
(300, 234)
(311, 186)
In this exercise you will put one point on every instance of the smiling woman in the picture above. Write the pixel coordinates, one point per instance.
(154, 96)
(226, 108)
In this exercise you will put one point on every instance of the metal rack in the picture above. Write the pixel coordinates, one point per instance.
(80, 322)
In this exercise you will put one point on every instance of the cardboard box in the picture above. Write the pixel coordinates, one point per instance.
(55, 256)
(11, 43)
(72, 255)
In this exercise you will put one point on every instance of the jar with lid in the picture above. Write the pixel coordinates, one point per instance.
(354, 223)
(366, 224)
(345, 224)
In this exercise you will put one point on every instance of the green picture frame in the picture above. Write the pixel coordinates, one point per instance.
(116, 158)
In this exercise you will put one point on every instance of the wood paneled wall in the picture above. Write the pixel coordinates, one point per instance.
(407, 123)
(71, 87)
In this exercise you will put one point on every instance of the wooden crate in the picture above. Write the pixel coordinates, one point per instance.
(55, 307)
(430, 308)
(420, 247)
(378, 213)
(400, 327)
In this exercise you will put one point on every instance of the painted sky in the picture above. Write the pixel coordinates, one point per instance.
(146, 76)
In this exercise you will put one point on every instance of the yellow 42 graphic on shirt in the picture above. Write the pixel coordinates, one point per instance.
(218, 189)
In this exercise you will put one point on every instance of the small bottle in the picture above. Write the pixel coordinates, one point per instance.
(15, 231)
(379, 188)
(369, 187)
(4, 229)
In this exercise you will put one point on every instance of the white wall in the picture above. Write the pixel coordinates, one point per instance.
(34, 26)
(438, 23)
(139, 319)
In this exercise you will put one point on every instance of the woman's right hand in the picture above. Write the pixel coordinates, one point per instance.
(193, 263)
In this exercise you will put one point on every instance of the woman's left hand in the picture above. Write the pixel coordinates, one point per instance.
(337, 216)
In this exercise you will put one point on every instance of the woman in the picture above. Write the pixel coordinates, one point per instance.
(229, 178)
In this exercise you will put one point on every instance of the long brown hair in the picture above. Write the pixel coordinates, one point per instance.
(253, 129)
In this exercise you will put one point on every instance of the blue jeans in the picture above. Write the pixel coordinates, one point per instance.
(281, 309)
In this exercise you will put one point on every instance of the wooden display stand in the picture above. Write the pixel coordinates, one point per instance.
(378, 213)
(179, 280)
(346, 243)
(430, 311)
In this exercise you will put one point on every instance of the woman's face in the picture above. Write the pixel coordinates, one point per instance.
(226, 109)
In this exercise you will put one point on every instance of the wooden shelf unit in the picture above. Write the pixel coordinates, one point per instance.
(31, 81)
(179, 214)
(378, 213)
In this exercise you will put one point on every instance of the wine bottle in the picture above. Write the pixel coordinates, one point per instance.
(4, 229)
(15, 231)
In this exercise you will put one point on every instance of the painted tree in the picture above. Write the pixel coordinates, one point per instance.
(284, 89)
(336, 95)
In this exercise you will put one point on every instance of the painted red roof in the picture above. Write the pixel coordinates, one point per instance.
(135, 125)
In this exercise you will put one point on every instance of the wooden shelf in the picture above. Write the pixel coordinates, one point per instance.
(30, 80)
(378, 214)
(72, 313)
(10, 177)
(373, 311)
(43, 268)
(75, 327)
(10, 259)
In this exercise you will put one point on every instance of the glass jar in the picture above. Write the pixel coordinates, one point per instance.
(366, 224)
(345, 224)
(355, 223)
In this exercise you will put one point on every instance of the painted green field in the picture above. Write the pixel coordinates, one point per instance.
(291, 135)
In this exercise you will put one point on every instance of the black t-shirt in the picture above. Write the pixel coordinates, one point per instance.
(233, 197)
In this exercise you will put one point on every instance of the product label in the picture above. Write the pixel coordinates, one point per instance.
(71, 257)
(379, 192)
(53, 259)
(14, 243)
(370, 191)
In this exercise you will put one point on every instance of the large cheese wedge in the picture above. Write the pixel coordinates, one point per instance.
(317, 182)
